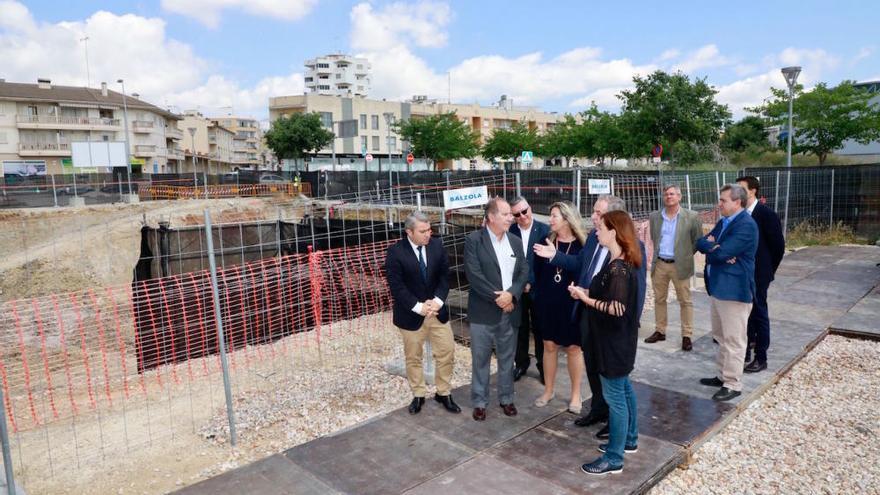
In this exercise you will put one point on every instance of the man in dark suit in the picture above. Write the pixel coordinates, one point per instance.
(529, 231)
(418, 276)
(771, 249)
(497, 272)
(587, 263)
(730, 282)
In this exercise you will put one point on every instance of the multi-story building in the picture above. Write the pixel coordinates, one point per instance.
(206, 143)
(338, 75)
(375, 119)
(248, 149)
(38, 123)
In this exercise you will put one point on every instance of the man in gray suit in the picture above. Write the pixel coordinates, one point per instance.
(497, 272)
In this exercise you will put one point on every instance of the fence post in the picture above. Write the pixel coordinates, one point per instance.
(832, 199)
(227, 387)
(724, 177)
(612, 185)
(717, 185)
(687, 183)
(418, 201)
(205, 178)
(358, 175)
(777, 192)
(577, 189)
(54, 193)
(7, 454)
(787, 198)
(504, 182)
(518, 184)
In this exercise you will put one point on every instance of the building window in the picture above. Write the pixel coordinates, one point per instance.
(375, 121)
(363, 121)
(360, 66)
(3, 139)
(323, 66)
(309, 79)
(392, 145)
(327, 119)
(338, 76)
(375, 143)
(363, 144)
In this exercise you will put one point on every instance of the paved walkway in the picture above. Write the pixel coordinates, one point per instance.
(540, 450)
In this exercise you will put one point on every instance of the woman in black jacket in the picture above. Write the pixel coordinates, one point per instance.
(611, 301)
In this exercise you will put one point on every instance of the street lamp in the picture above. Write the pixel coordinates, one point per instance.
(791, 74)
(127, 144)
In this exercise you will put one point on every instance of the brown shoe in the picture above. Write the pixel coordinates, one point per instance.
(686, 344)
(655, 337)
(509, 409)
(479, 414)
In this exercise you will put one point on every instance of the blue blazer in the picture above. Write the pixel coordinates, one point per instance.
(537, 234)
(771, 244)
(407, 286)
(580, 264)
(726, 281)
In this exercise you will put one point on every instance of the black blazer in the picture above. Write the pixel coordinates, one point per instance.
(771, 244)
(406, 284)
(484, 276)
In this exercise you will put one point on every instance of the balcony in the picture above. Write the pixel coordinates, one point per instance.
(64, 122)
(212, 139)
(175, 154)
(173, 133)
(44, 149)
(145, 150)
(144, 126)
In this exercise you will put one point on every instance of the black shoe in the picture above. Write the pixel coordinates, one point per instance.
(518, 373)
(590, 419)
(479, 414)
(711, 382)
(686, 344)
(603, 433)
(416, 405)
(448, 403)
(655, 337)
(600, 467)
(509, 409)
(755, 366)
(748, 359)
(629, 449)
(725, 394)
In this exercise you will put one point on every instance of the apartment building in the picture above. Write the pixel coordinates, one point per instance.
(38, 123)
(375, 119)
(338, 75)
(248, 148)
(208, 146)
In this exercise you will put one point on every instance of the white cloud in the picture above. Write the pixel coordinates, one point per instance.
(209, 12)
(421, 23)
(702, 58)
(220, 96)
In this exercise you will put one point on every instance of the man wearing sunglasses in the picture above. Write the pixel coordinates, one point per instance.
(530, 231)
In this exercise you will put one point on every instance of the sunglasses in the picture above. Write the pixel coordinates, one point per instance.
(524, 212)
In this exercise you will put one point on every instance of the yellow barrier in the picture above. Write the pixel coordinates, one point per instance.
(159, 192)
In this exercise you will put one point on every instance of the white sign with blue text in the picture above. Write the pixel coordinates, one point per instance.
(468, 196)
(600, 186)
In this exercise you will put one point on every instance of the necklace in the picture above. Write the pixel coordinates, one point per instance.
(558, 277)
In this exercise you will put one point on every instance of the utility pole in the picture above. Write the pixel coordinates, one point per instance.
(127, 143)
(85, 41)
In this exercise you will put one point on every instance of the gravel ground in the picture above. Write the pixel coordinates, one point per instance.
(815, 431)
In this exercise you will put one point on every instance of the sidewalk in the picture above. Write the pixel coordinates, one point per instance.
(540, 450)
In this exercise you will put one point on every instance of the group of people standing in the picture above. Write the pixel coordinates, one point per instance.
(580, 293)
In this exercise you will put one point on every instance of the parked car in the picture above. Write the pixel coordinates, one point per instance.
(547, 185)
(272, 179)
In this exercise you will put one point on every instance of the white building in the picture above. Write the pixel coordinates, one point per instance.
(38, 123)
(338, 75)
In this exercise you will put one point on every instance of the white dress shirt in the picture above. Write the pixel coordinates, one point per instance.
(506, 258)
(524, 235)
(415, 247)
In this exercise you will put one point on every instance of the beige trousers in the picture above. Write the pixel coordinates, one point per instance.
(443, 349)
(730, 320)
(663, 274)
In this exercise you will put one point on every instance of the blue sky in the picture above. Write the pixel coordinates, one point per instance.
(557, 55)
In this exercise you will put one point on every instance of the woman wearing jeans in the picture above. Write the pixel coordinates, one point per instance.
(611, 302)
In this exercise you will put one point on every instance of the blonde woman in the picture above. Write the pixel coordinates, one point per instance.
(554, 306)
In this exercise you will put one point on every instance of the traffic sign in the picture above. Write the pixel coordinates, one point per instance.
(526, 157)
(657, 150)
(410, 158)
(369, 157)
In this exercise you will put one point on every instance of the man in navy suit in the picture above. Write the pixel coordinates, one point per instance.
(587, 263)
(529, 231)
(730, 282)
(771, 248)
(418, 276)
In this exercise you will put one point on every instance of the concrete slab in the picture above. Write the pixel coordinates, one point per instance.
(675, 417)
(270, 476)
(555, 450)
(381, 456)
(863, 318)
(487, 475)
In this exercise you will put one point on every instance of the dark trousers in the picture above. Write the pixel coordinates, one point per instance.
(598, 406)
(527, 325)
(759, 324)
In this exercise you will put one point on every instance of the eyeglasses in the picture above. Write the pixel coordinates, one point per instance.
(524, 212)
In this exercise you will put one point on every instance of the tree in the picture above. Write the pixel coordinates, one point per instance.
(668, 108)
(568, 138)
(825, 118)
(750, 132)
(613, 136)
(439, 137)
(510, 143)
(297, 135)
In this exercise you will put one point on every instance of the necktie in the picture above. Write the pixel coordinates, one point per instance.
(593, 262)
(724, 223)
(422, 266)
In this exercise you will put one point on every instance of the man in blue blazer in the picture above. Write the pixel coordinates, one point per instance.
(771, 249)
(587, 263)
(730, 282)
(417, 268)
(529, 231)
